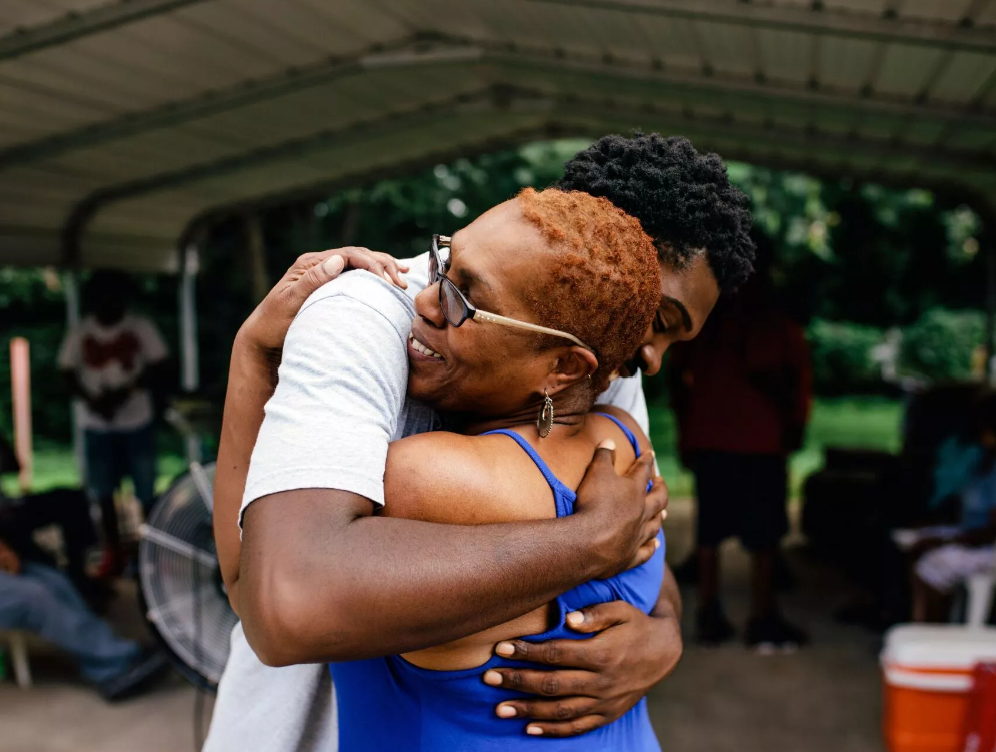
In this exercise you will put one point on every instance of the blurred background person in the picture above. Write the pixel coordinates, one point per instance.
(68, 509)
(741, 394)
(114, 361)
(38, 599)
(945, 557)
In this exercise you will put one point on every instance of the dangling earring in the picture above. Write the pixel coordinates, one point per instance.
(544, 424)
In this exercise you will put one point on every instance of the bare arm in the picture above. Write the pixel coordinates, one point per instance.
(319, 578)
(252, 377)
(323, 580)
(250, 384)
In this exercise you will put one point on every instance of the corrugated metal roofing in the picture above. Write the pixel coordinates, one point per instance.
(123, 122)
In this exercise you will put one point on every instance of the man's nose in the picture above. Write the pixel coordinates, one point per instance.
(427, 306)
(652, 355)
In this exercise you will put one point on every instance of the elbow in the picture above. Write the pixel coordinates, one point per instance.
(284, 623)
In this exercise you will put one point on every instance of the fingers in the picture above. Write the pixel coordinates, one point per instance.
(560, 653)
(642, 470)
(569, 683)
(576, 727)
(334, 266)
(657, 499)
(644, 553)
(600, 617)
(315, 276)
(393, 270)
(605, 454)
(565, 709)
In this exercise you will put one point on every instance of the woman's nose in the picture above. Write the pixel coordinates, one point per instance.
(427, 306)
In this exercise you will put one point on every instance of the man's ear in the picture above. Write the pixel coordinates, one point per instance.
(574, 365)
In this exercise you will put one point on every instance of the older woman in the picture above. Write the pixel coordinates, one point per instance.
(531, 310)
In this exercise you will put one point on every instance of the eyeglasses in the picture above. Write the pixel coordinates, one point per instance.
(457, 309)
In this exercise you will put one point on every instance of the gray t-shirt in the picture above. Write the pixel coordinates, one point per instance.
(340, 401)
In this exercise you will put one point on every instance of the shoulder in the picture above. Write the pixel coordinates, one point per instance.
(462, 480)
(627, 420)
(361, 291)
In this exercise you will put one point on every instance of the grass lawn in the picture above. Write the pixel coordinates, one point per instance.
(856, 422)
(871, 423)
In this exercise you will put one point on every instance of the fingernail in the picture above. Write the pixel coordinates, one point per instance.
(657, 543)
(505, 649)
(664, 514)
(493, 678)
(653, 454)
(334, 265)
(608, 444)
(534, 730)
(506, 711)
(575, 618)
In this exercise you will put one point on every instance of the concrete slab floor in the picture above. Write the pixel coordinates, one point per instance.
(825, 698)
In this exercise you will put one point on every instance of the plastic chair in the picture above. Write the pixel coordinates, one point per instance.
(19, 658)
(980, 589)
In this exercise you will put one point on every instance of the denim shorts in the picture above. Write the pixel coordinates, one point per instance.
(112, 456)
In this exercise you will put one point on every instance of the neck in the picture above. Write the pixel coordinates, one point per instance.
(567, 414)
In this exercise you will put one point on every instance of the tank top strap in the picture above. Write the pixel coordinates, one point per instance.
(563, 496)
(625, 429)
(533, 454)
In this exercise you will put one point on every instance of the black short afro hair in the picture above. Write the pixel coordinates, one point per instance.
(683, 199)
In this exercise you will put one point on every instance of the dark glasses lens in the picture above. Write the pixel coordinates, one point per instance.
(438, 259)
(454, 306)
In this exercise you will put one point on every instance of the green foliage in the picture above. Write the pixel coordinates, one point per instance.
(941, 344)
(868, 255)
(841, 356)
(858, 422)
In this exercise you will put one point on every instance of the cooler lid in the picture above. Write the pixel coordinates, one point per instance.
(944, 646)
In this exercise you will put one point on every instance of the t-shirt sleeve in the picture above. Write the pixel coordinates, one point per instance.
(627, 394)
(153, 345)
(341, 388)
(69, 352)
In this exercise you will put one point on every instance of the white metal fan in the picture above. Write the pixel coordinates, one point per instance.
(182, 589)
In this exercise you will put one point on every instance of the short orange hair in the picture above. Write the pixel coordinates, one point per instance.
(604, 282)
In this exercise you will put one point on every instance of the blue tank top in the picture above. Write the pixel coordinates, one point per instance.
(390, 705)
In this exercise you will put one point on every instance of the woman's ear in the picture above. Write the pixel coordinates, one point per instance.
(576, 364)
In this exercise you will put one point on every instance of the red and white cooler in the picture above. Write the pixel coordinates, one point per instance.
(928, 682)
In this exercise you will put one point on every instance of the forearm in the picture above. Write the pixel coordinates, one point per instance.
(371, 586)
(668, 646)
(250, 384)
(669, 601)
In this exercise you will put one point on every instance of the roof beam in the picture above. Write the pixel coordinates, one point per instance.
(75, 25)
(410, 52)
(772, 90)
(556, 111)
(210, 103)
(84, 211)
(811, 19)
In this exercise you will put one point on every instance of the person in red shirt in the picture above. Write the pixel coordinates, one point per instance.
(741, 393)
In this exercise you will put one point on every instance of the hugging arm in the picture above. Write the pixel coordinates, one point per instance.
(323, 579)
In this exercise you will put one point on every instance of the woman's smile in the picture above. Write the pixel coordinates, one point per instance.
(419, 351)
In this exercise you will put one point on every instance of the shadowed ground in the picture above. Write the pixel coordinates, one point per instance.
(823, 699)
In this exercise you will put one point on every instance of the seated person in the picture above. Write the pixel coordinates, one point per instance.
(66, 508)
(949, 557)
(38, 599)
(945, 557)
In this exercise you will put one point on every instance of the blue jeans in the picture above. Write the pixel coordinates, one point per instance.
(43, 601)
(111, 456)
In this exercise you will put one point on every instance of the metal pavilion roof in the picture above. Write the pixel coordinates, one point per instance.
(123, 124)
